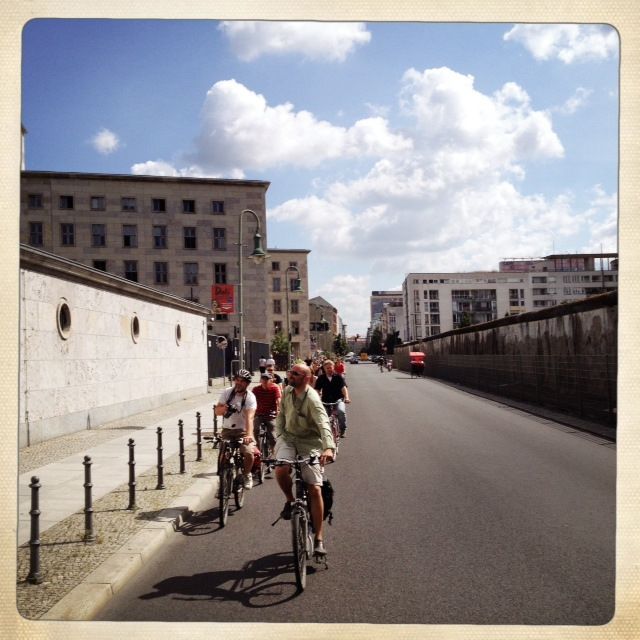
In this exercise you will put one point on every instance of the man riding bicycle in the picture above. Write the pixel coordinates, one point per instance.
(268, 395)
(237, 405)
(302, 428)
(333, 388)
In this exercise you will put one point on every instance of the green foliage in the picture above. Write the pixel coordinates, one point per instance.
(375, 344)
(340, 346)
(280, 344)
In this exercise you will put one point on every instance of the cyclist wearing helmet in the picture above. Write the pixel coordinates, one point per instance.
(238, 405)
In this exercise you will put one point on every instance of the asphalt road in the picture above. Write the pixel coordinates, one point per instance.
(450, 509)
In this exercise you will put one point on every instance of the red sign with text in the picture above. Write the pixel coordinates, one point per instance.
(222, 296)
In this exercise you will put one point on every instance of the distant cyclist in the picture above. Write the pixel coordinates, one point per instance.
(333, 388)
(271, 368)
(237, 405)
(268, 395)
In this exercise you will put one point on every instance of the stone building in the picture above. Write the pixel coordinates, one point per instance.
(178, 235)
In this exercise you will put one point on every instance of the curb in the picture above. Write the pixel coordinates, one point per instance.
(86, 599)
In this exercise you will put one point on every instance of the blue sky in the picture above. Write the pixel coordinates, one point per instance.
(390, 147)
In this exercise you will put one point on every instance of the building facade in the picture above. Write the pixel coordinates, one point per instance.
(288, 308)
(325, 324)
(438, 302)
(178, 235)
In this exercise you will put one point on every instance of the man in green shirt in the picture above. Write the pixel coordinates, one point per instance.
(302, 428)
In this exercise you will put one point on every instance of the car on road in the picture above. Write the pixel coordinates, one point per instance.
(353, 360)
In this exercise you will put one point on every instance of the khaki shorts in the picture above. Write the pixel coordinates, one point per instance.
(235, 434)
(311, 473)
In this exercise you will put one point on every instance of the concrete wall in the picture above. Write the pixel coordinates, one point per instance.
(98, 370)
(564, 356)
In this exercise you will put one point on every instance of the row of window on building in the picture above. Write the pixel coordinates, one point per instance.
(67, 236)
(127, 204)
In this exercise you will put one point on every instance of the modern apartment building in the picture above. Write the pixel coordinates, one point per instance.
(178, 235)
(285, 304)
(438, 302)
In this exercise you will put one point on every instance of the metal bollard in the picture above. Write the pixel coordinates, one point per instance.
(35, 577)
(89, 535)
(215, 429)
(199, 437)
(160, 484)
(181, 444)
(132, 475)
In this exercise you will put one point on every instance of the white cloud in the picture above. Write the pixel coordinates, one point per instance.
(575, 102)
(240, 131)
(105, 142)
(332, 41)
(568, 43)
(350, 295)
(602, 219)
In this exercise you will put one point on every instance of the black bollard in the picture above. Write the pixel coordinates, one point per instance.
(199, 437)
(160, 484)
(89, 535)
(132, 475)
(181, 444)
(35, 577)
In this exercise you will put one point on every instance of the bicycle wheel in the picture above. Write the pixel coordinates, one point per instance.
(238, 489)
(224, 492)
(260, 471)
(299, 536)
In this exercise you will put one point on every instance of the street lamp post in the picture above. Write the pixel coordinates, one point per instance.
(258, 255)
(296, 289)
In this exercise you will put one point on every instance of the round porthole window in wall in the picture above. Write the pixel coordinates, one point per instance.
(63, 319)
(135, 328)
(178, 334)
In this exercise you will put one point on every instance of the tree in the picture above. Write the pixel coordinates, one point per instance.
(375, 344)
(280, 344)
(391, 341)
(340, 346)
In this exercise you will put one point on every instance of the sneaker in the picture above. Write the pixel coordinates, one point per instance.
(248, 481)
(285, 514)
(318, 548)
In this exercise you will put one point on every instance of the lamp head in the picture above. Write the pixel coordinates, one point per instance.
(258, 254)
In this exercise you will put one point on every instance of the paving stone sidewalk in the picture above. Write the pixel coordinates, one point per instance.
(67, 562)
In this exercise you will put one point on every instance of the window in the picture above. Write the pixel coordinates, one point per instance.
(435, 331)
(295, 327)
(217, 207)
(294, 306)
(538, 279)
(191, 273)
(100, 264)
(434, 306)
(97, 203)
(158, 205)
(65, 202)
(190, 238)
(277, 326)
(161, 272)
(293, 264)
(435, 318)
(98, 235)
(36, 234)
(129, 235)
(277, 306)
(219, 238)
(128, 204)
(294, 285)
(276, 285)
(275, 266)
(35, 201)
(67, 234)
(220, 273)
(188, 206)
(433, 294)
(159, 236)
(131, 270)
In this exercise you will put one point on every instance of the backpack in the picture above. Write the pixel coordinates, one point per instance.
(327, 497)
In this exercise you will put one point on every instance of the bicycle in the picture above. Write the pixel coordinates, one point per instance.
(264, 446)
(332, 411)
(302, 532)
(230, 467)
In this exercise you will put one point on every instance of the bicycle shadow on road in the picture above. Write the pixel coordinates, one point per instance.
(259, 584)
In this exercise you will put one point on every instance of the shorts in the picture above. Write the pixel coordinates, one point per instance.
(311, 474)
(234, 434)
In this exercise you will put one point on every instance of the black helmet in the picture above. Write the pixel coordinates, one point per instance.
(243, 374)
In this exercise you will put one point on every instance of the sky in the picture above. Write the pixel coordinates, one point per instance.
(390, 147)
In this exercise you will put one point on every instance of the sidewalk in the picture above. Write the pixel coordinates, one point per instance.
(79, 577)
